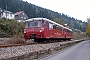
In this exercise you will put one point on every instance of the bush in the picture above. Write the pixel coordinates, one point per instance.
(11, 28)
(3, 34)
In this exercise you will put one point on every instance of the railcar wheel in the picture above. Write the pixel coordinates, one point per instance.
(69, 39)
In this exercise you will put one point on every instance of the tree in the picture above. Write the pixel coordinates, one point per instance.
(88, 30)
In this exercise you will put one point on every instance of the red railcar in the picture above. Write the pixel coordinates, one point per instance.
(43, 29)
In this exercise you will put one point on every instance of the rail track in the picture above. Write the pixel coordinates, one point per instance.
(11, 45)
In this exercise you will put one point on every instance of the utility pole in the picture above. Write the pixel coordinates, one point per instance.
(6, 9)
(6, 12)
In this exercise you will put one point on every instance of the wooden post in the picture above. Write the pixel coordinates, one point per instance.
(37, 54)
(18, 58)
(48, 51)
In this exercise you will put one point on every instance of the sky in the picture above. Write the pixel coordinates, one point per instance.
(79, 9)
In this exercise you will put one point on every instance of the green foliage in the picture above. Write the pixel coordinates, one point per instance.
(10, 28)
(58, 21)
(77, 34)
(3, 34)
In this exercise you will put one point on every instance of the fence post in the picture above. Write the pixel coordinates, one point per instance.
(37, 54)
(48, 51)
(18, 58)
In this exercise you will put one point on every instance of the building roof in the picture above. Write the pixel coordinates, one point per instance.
(17, 13)
(3, 10)
(8, 11)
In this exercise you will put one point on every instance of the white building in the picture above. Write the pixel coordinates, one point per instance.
(6, 14)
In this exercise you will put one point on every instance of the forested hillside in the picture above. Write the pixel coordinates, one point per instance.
(35, 11)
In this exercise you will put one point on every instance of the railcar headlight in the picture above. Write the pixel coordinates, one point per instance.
(40, 30)
(25, 31)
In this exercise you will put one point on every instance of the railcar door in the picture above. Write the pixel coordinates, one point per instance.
(47, 29)
(63, 33)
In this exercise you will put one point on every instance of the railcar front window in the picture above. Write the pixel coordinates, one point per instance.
(32, 24)
(39, 23)
(26, 25)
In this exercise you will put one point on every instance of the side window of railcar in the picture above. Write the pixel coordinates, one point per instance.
(26, 24)
(39, 23)
(54, 26)
(51, 25)
(57, 27)
(69, 31)
(64, 29)
(60, 28)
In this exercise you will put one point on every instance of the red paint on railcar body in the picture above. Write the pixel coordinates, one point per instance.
(42, 28)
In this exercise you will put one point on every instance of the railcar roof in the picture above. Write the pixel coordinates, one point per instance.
(49, 21)
(46, 20)
(67, 28)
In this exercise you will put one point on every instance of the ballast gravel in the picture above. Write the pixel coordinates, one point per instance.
(21, 50)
